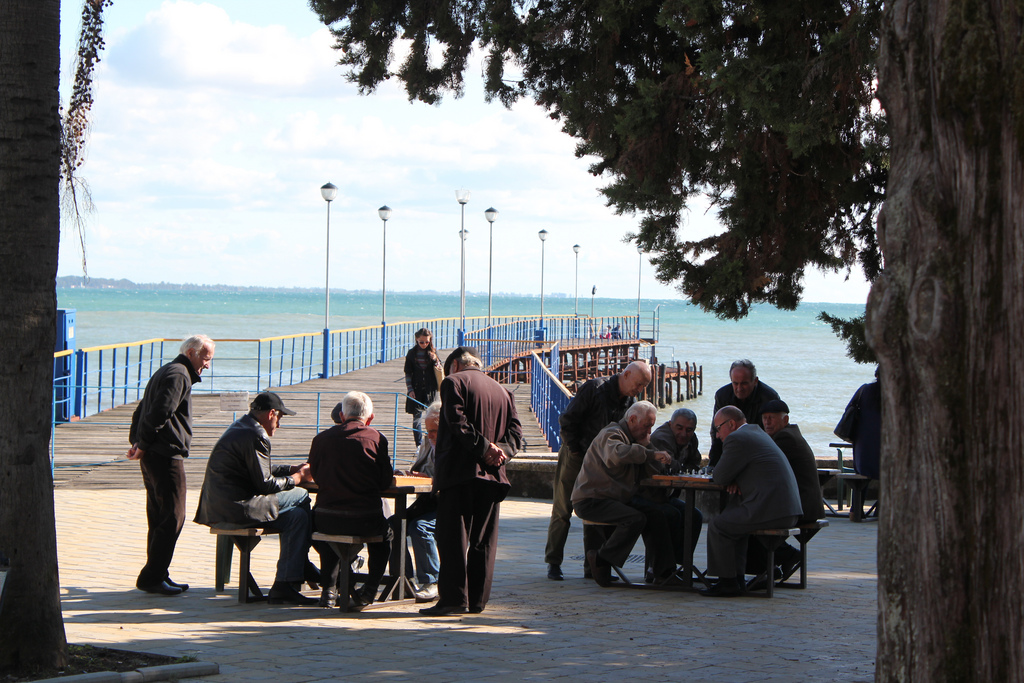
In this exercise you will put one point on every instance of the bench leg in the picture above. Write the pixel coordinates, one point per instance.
(345, 553)
(222, 572)
(246, 583)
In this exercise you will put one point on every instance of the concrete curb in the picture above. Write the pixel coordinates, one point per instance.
(167, 672)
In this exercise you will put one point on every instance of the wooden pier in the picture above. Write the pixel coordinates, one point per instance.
(91, 452)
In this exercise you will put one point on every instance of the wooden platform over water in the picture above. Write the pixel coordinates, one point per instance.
(91, 452)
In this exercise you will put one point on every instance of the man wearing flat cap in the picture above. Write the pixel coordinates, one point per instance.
(787, 436)
(243, 490)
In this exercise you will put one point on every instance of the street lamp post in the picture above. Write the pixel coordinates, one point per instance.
(576, 250)
(328, 192)
(462, 197)
(490, 214)
(543, 235)
(385, 213)
(639, 274)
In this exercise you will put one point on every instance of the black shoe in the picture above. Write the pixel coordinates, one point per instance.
(182, 586)
(724, 588)
(476, 609)
(443, 611)
(162, 588)
(328, 597)
(601, 571)
(284, 593)
(555, 572)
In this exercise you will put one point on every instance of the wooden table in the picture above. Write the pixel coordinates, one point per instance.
(689, 484)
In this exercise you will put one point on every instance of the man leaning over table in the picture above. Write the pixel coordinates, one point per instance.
(619, 456)
(421, 517)
(764, 495)
(598, 402)
(479, 431)
(241, 490)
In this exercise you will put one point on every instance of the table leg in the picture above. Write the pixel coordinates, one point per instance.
(691, 500)
(396, 585)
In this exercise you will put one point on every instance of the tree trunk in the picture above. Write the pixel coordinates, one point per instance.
(31, 627)
(947, 322)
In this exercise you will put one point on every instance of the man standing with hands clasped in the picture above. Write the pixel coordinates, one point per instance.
(478, 432)
(161, 434)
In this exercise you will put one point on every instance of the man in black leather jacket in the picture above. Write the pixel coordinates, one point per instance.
(598, 403)
(243, 490)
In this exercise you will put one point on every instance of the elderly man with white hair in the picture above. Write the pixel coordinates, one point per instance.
(351, 466)
(160, 437)
(618, 457)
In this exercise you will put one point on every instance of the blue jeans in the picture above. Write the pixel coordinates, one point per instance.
(424, 547)
(420, 530)
(295, 524)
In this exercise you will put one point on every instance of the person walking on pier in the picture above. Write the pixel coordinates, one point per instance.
(423, 375)
(479, 431)
(599, 402)
(160, 437)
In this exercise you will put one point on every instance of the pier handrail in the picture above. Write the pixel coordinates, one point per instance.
(106, 376)
(548, 398)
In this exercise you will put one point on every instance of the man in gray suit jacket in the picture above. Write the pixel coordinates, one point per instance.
(765, 496)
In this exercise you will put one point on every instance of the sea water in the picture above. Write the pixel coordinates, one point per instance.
(795, 354)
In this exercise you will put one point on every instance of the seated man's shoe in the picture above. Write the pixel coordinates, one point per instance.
(284, 593)
(364, 596)
(723, 588)
(555, 572)
(476, 609)
(428, 593)
(443, 610)
(182, 586)
(328, 597)
(162, 588)
(790, 566)
(599, 569)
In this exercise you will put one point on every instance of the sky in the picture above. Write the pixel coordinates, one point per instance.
(216, 123)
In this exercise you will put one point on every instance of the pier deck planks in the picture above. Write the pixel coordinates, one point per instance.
(91, 453)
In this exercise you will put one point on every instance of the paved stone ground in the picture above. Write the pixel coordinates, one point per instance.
(533, 629)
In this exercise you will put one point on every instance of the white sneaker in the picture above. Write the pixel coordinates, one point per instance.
(426, 593)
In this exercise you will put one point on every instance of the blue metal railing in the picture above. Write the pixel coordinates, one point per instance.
(548, 399)
(104, 377)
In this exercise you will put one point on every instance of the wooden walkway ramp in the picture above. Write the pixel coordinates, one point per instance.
(91, 452)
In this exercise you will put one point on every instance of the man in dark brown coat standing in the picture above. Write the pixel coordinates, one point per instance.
(478, 433)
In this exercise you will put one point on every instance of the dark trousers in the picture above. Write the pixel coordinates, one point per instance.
(327, 523)
(673, 520)
(467, 542)
(164, 478)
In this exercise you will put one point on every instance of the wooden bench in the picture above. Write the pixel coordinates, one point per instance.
(245, 540)
(603, 532)
(858, 486)
(773, 538)
(346, 548)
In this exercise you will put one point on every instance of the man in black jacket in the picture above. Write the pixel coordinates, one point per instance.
(160, 436)
(478, 432)
(794, 446)
(242, 490)
(598, 403)
(746, 392)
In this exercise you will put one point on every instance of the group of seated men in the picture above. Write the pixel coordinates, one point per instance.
(351, 466)
(762, 460)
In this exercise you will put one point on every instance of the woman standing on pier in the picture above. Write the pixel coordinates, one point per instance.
(423, 375)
